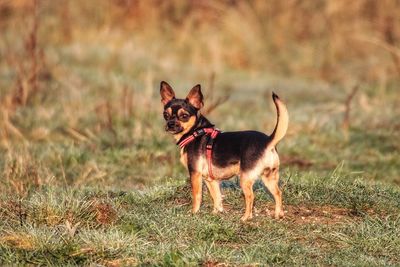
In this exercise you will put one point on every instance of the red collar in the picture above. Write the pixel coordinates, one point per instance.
(213, 132)
(200, 132)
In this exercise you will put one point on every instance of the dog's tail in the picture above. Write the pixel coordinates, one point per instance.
(282, 121)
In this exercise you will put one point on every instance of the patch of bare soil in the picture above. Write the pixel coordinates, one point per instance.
(302, 214)
(318, 214)
(215, 264)
(17, 240)
(299, 214)
(105, 212)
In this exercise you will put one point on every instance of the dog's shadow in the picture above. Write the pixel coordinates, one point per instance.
(234, 184)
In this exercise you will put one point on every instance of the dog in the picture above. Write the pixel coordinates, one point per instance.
(213, 155)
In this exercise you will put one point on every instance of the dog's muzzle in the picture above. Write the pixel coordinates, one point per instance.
(173, 127)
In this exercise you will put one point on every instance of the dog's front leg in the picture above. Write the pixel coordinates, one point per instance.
(196, 180)
(215, 192)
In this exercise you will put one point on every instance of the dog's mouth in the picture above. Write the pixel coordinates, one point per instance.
(174, 130)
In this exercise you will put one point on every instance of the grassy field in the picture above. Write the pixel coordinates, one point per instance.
(330, 221)
(88, 175)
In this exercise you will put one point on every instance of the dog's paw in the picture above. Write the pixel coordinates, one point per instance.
(246, 217)
(194, 211)
(218, 210)
(279, 215)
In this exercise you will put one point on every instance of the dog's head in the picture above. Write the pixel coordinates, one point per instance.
(180, 114)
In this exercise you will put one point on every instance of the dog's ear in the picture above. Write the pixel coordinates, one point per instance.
(195, 97)
(166, 92)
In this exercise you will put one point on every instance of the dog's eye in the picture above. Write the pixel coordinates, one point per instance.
(184, 117)
(166, 116)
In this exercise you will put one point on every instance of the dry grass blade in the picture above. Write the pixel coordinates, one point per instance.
(388, 46)
(27, 80)
(215, 103)
(71, 228)
(9, 128)
(346, 116)
(76, 134)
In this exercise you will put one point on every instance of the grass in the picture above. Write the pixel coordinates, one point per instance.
(330, 221)
(90, 191)
(88, 175)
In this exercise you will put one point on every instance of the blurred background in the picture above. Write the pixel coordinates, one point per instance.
(79, 84)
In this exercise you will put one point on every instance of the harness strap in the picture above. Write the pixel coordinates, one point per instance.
(212, 132)
(209, 147)
(193, 136)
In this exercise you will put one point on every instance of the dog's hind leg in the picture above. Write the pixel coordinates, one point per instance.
(215, 192)
(270, 178)
(246, 182)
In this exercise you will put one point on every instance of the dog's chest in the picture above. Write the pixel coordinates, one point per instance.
(183, 158)
(200, 164)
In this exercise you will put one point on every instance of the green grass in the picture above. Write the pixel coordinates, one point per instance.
(117, 194)
(350, 223)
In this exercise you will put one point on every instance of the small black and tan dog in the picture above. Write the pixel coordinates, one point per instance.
(208, 153)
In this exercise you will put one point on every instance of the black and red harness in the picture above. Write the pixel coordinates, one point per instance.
(212, 134)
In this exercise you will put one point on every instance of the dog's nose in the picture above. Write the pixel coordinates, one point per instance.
(171, 124)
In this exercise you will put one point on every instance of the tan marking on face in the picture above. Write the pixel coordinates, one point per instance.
(181, 111)
(169, 111)
(186, 127)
